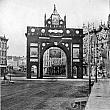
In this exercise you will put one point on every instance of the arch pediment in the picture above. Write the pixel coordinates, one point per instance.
(55, 20)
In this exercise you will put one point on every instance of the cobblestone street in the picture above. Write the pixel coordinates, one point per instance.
(41, 95)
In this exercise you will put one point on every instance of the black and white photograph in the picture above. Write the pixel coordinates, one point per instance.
(55, 54)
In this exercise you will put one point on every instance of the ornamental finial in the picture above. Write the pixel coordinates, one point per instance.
(54, 7)
(55, 11)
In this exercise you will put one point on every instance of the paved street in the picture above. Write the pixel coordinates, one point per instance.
(100, 96)
(41, 94)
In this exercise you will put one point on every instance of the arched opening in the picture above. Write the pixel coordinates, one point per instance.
(54, 63)
(33, 71)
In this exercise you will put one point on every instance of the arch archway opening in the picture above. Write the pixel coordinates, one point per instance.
(54, 63)
(34, 71)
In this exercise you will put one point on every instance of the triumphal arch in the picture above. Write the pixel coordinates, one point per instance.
(54, 50)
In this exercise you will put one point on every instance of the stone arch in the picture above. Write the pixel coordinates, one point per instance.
(67, 53)
(33, 72)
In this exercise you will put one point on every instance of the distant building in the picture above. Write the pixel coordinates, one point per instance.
(17, 62)
(99, 42)
(3, 54)
(13, 61)
(22, 61)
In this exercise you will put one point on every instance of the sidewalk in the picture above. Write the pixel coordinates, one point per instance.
(99, 98)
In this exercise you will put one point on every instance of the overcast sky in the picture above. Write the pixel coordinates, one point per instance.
(16, 15)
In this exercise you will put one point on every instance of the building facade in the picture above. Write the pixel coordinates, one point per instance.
(17, 62)
(3, 54)
(108, 63)
(99, 48)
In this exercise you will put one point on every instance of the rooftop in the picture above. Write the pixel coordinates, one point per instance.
(3, 38)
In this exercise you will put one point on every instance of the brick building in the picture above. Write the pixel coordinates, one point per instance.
(99, 46)
(3, 54)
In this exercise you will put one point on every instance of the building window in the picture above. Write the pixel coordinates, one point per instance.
(0, 60)
(5, 45)
(0, 52)
(5, 53)
(0, 44)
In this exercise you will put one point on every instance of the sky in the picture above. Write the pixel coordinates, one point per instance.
(16, 15)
